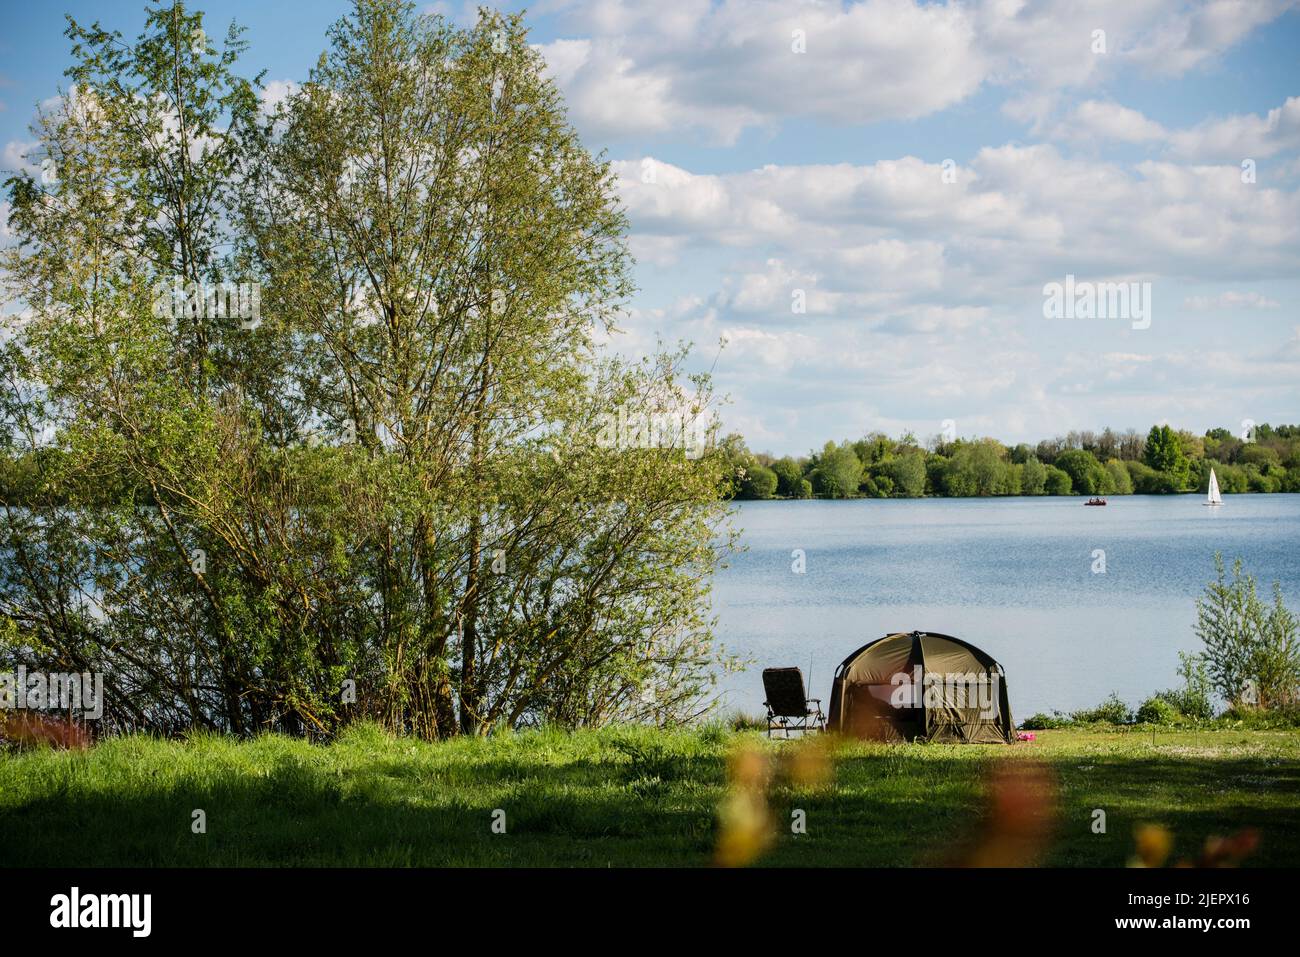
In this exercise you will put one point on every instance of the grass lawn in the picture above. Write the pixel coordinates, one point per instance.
(621, 796)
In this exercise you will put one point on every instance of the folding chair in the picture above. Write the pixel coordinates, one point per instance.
(788, 706)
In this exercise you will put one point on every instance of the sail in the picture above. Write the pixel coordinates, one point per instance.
(1214, 497)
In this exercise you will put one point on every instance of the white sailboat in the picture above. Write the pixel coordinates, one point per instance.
(1214, 498)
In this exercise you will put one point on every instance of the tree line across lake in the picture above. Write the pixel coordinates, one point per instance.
(1165, 461)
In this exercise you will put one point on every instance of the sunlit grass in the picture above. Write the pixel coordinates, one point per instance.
(619, 796)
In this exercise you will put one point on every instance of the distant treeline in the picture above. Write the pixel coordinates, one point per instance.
(1165, 461)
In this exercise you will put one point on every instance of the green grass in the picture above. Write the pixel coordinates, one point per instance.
(617, 796)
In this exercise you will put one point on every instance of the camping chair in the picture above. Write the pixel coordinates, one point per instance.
(788, 707)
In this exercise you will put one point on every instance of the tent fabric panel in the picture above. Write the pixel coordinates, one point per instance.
(868, 714)
(968, 700)
(1007, 725)
(878, 662)
(944, 654)
(952, 677)
(987, 720)
(834, 714)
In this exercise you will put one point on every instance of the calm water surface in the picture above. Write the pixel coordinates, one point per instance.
(1014, 576)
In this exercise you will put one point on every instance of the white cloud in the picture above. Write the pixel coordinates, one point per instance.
(771, 350)
(1290, 350)
(772, 291)
(1230, 300)
(1015, 218)
(463, 13)
(718, 69)
(1242, 136)
(721, 69)
(1177, 43)
(1053, 44)
(1094, 118)
(275, 93)
(1033, 109)
(923, 297)
(1226, 139)
(923, 293)
(15, 156)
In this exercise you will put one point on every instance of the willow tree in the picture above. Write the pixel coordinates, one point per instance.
(442, 249)
(396, 480)
(120, 402)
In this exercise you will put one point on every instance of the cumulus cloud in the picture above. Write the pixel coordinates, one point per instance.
(718, 69)
(1016, 216)
(1242, 136)
(928, 288)
(1094, 118)
(17, 156)
(1230, 300)
(1222, 139)
(1199, 32)
(722, 68)
(919, 288)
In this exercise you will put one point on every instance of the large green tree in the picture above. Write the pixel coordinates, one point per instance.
(789, 477)
(1033, 477)
(907, 473)
(977, 468)
(837, 471)
(1087, 475)
(1164, 453)
(388, 493)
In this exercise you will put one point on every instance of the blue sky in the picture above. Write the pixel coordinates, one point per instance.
(755, 175)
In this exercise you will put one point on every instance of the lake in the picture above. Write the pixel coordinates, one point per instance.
(1014, 576)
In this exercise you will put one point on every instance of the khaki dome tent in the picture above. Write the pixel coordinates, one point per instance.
(921, 685)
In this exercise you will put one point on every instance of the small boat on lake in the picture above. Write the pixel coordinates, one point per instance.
(1213, 497)
(1095, 501)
